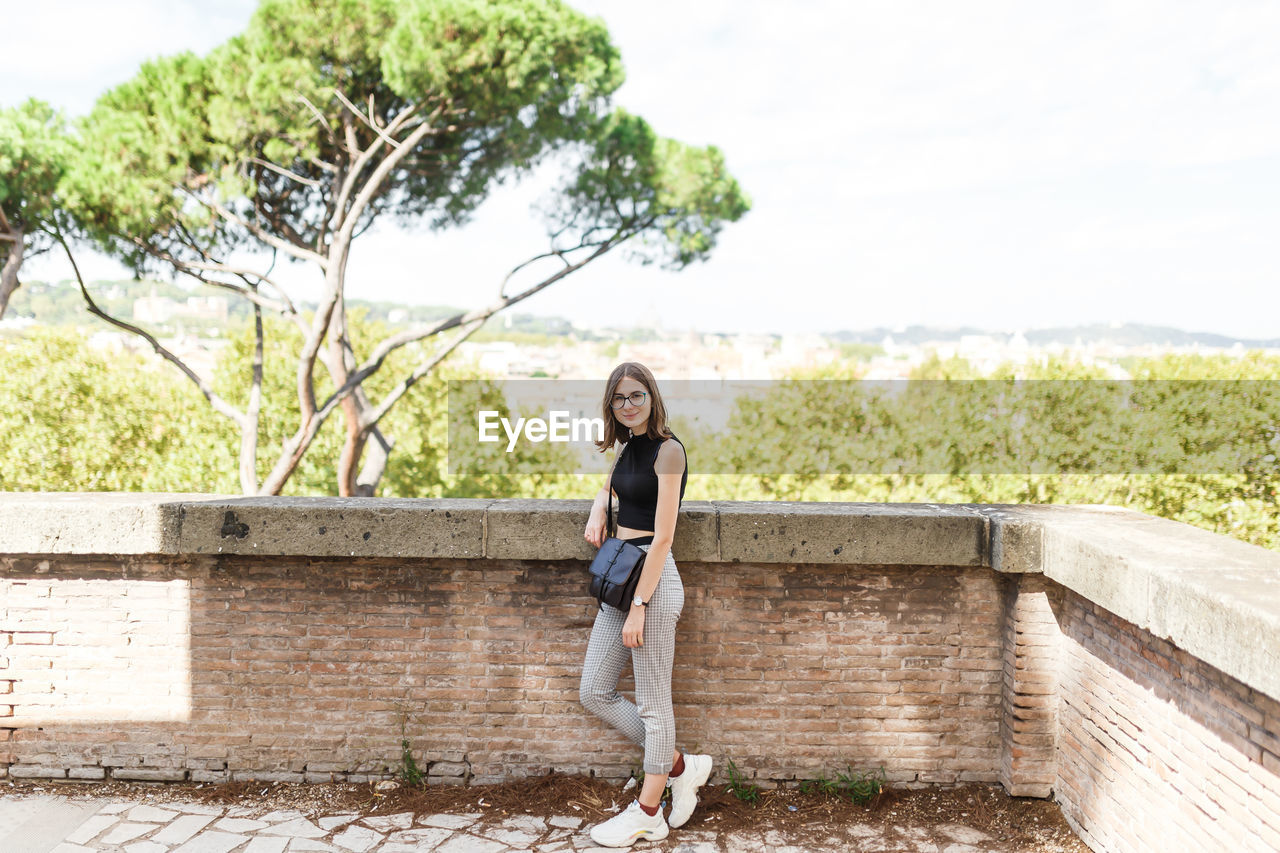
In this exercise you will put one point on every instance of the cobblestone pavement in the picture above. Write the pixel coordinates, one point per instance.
(56, 824)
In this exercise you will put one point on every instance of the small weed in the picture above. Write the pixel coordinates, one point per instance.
(409, 771)
(861, 787)
(740, 787)
(821, 785)
(854, 786)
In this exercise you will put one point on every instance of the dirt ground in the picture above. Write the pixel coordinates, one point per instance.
(1020, 823)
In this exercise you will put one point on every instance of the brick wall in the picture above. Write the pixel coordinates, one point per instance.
(1019, 645)
(299, 669)
(1159, 750)
(1029, 712)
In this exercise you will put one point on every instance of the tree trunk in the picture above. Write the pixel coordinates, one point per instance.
(12, 263)
(252, 415)
(375, 464)
(352, 448)
(295, 447)
(355, 407)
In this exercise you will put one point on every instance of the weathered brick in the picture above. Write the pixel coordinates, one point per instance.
(32, 638)
(311, 670)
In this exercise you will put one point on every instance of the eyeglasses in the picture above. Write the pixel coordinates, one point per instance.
(635, 398)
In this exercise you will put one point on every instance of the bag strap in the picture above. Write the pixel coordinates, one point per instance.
(609, 529)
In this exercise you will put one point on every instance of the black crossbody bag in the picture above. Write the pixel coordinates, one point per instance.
(615, 571)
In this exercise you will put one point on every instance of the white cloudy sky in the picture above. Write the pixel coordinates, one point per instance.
(997, 164)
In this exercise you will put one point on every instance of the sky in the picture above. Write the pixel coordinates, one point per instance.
(1003, 165)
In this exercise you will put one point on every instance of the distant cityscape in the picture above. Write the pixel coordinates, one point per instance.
(694, 355)
(194, 328)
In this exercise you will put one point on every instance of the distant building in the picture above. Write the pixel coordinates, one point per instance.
(162, 309)
(214, 308)
(498, 357)
(153, 309)
(805, 350)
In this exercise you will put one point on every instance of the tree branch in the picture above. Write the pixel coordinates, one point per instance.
(324, 122)
(340, 215)
(554, 253)
(277, 220)
(392, 143)
(270, 239)
(217, 402)
(322, 164)
(310, 182)
(371, 186)
(187, 268)
(248, 293)
(249, 435)
(479, 315)
(420, 371)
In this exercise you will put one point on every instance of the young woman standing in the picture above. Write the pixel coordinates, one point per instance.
(648, 477)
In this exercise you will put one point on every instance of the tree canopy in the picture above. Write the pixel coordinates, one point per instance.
(325, 115)
(34, 149)
(420, 106)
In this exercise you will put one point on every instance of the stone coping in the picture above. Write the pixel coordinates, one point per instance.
(1216, 597)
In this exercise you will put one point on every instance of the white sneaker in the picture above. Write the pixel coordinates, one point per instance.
(625, 828)
(684, 788)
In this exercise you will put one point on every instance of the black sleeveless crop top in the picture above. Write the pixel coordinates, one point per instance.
(636, 483)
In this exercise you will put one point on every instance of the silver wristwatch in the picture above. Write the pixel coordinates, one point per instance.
(639, 602)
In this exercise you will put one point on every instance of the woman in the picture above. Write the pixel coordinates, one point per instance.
(648, 477)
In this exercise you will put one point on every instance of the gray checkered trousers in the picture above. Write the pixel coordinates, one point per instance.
(649, 722)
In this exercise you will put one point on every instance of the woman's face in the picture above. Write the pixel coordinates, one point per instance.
(634, 417)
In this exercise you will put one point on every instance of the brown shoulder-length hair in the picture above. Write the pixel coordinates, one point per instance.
(657, 426)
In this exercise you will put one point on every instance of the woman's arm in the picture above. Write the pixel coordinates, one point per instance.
(595, 532)
(670, 468)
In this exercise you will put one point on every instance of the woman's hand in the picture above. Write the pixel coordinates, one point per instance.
(633, 628)
(595, 527)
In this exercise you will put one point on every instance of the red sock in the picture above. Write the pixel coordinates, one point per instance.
(650, 810)
(678, 768)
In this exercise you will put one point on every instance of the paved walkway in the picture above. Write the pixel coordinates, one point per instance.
(58, 824)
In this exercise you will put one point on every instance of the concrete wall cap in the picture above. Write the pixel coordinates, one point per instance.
(1214, 596)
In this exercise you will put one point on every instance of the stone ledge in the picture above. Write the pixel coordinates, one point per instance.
(1211, 595)
(851, 533)
(91, 523)
(333, 527)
